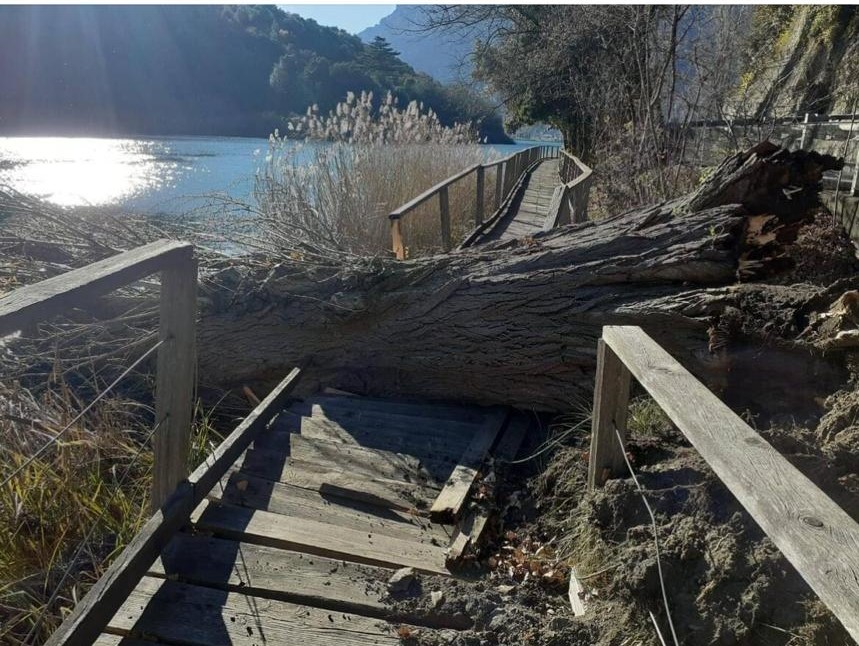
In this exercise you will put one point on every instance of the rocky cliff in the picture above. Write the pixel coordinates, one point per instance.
(801, 59)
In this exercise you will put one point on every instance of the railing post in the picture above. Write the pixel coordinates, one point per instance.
(478, 208)
(499, 178)
(175, 377)
(397, 239)
(803, 140)
(854, 185)
(444, 213)
(611, 401)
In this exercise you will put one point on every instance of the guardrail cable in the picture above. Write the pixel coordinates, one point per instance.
(86, 539)
(77, 417)
(641, 492)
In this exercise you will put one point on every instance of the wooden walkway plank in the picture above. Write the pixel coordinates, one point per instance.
(327, 479)
(191, 615)
(455, 491)
(453, 412)
(312, 537)
(421, 440)
(275, 574)
(526, 214)
(245, 490)
(371, 462)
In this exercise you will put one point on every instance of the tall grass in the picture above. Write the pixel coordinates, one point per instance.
(337, 203)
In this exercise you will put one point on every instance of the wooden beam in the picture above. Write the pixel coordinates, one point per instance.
(455, 491)
(812, 531)
(29, 305)
(430, 192)
(398, 247)
(444, 217)
(611, 401)
(175, 378)
(479, 190)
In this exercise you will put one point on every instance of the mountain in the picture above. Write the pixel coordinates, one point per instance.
(443, 56)
(228, 70)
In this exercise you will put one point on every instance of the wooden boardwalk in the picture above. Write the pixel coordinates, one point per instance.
(527, 212)
(296, 543)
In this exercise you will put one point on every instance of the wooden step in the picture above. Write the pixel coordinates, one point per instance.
(454, 412)
(334, 481)
(313, 537)
(245, 490)
(274, 574)
(191, 615)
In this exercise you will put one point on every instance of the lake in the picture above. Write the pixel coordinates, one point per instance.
(152, 175)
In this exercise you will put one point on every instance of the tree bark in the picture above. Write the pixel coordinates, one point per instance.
(517, 323)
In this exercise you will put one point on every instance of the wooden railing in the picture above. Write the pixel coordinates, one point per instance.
(812, 531)
(508, 171)
(570, 200)
(174, 389)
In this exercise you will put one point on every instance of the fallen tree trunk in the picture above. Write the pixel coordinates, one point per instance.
(517, 323)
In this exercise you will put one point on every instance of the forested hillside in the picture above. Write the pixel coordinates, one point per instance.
(232, 70)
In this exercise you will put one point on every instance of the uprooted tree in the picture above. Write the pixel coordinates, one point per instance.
(518, 323)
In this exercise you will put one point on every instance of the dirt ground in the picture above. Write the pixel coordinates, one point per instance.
(725, 582)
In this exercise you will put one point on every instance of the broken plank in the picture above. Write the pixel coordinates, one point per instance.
(192, 615)
(470, 531)
(274, 574)
(249, 491)
(455, 491)
(334, 481)
(313, 537)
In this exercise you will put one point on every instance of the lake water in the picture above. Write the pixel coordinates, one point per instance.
(145, 175)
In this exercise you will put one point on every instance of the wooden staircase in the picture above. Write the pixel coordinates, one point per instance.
(296, 543)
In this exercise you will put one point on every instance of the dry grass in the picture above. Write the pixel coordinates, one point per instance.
(338, 204)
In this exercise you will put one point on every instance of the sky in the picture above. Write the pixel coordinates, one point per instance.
(349, 17)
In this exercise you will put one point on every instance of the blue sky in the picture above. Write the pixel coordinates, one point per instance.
(349, 17)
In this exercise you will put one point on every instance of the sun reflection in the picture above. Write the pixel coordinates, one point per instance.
(73, 171)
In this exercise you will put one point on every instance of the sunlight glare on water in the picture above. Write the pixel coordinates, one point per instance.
(77, 171)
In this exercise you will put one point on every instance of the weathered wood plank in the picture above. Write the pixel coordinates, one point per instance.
(175, 377)
(611, 403)
(814, 533)
(197, 616)
(433, 410)
(322, 539)
(33, 303)
(274, 574)
(471, 529)
(424, 439)
(329, 480)
(246, 490)
(455, 491)
(373, 463)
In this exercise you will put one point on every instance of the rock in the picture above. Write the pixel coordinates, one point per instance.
(401, 581)
(436, 598)
(505, 589)
(499, 618)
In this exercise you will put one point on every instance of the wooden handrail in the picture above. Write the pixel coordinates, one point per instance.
(810, 529)
(174, 389)
(570, 200)
(508, 170)
(92, 613)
